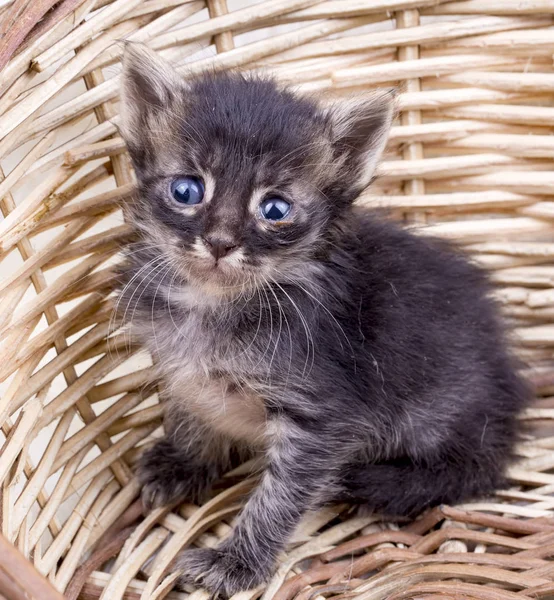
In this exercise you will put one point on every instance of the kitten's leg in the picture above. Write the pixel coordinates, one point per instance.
(184, 463)
(300, 469)
(402, 488)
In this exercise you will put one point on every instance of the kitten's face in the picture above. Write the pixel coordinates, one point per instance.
(239, 181)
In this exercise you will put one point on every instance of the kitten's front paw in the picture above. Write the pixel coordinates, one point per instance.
(219, 571)
(165, 477)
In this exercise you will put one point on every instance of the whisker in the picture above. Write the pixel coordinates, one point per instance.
(329, 313)
(309, 337)
(288, 328)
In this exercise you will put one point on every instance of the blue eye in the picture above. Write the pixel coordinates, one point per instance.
(187, 190)
(274, 209)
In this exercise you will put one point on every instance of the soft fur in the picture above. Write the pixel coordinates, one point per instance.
(364, 363)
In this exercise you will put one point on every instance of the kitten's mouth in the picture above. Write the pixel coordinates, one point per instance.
(221, 266)
(216, 276)
(226, 276)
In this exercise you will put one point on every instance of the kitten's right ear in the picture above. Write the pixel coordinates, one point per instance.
(149, 84)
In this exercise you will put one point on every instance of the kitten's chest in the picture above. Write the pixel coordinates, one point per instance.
(234, 411)
(208, 373)
(192, 344)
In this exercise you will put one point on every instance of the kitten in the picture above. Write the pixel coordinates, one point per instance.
(363, 363)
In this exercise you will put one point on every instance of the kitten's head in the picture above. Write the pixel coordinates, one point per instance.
(239, 179)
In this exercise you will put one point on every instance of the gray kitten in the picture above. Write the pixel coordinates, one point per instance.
(363, 363)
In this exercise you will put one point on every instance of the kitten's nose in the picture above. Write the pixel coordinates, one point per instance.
(219, 246)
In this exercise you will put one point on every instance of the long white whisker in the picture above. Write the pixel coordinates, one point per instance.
(309, 337)
(162, 278)
(116, 310)
(151, 276)
(280, 327)
(288, 328)
(329, 313)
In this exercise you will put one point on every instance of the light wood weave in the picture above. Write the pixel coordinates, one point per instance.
(470, 159)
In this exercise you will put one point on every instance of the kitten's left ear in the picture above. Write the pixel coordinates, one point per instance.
(149, 84)
(359, 132)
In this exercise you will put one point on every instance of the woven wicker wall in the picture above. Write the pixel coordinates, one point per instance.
(470, 158)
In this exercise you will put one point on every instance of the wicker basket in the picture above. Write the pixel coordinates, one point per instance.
(470, 158)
